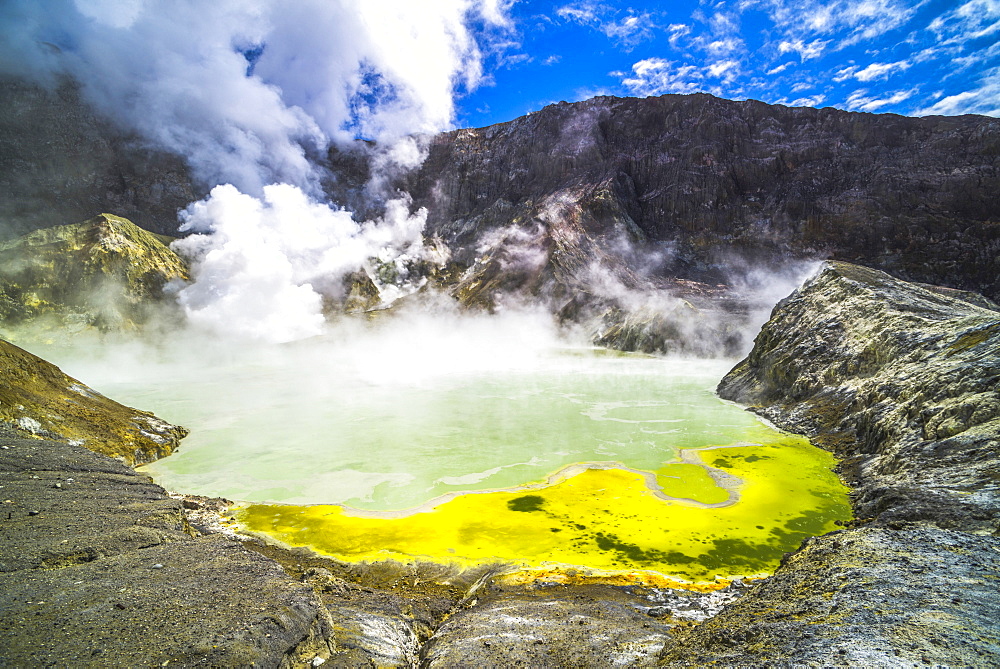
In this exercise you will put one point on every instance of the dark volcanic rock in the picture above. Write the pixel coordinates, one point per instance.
(901, 381)
(703, 180)
(100, 571)
(60, 161)
(864, 597)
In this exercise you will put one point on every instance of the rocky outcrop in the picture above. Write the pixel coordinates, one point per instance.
(38, 400)
(98, 567)
(902, 382)
(702, 181)
(61, 161)
(105, 273)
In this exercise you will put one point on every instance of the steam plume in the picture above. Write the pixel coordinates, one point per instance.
(248, 91)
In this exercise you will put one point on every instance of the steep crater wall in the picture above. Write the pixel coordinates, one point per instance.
(706, 181)
(901, 382)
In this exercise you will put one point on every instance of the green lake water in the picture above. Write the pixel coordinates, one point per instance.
(394, 454)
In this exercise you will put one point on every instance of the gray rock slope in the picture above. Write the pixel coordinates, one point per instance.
(98, 567)
(707, 181)
(902, 382)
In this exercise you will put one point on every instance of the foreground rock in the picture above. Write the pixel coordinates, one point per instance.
(901, 381)
(97, 568)
(37, 399)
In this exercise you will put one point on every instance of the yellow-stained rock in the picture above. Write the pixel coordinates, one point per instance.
(38, 399)
(105, 273)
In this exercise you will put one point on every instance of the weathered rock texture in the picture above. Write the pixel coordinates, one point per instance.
(60, 161)
(105, 273)
(37, 399)
(902, 382)
(705, 180)
(98, 568)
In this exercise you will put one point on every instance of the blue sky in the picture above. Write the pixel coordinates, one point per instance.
(900, 56)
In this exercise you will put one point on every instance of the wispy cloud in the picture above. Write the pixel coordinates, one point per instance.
(626, 29)
(985, 99)
(677, 31)
(812, 101)
(862, 101)
(881, 70)
(656, 76)
(813, 49)
(970, 21)
(847, 21)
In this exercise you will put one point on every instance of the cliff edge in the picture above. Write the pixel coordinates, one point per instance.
(900, 381)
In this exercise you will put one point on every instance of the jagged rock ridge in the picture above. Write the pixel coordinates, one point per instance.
(707, 182)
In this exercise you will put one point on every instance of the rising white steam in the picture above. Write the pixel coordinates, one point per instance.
(262, 267)
(244, 88)
(249, 91)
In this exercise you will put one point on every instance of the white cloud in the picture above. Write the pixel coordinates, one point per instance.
(985, 99)
(781, 68)
(174, 71)
(862, 101)
(656, 76)
(881, 70)
(972, 20)
(811, 101)
(677, 31)
(726, 70)
(808, 51)
(847, 21)
(722, 47)
(845, 74)
(628, 30)
(581, 13)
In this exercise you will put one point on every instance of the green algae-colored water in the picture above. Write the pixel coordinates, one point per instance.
(570, 458)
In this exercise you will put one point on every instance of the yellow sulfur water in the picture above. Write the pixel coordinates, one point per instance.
(729, 512)
(566, 460)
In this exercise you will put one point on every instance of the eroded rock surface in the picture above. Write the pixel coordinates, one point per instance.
(37, 399)
(97, 568)
(901, 381)
(105, 274)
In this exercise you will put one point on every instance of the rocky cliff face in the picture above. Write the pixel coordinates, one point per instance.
(105, 273)
(704, 181)
(902, 382)
(61, 162)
